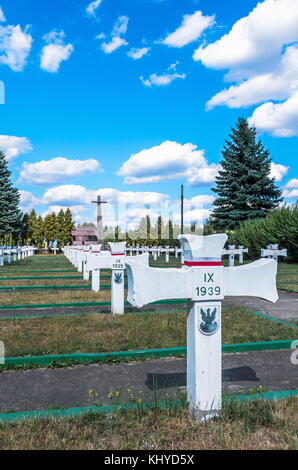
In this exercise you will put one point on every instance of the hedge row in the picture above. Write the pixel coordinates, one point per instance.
(280, 226)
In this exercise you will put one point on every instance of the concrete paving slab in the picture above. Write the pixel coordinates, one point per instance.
(285, 308)
(68, 387)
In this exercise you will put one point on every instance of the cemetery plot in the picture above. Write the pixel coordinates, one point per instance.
(106, 333)
(47, 273)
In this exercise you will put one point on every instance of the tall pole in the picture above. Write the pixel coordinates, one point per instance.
(99, 227)
(182, 201)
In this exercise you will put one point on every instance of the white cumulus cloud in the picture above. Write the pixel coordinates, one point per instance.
(117, 41)
(56, 170)
(293, 186)
(293, 183)
(165, 79)
(138, 53)
(278, 84)
(278, 119)
(27, 201)
(278, 171)
(191, 29)
(169, 160)
(113, 45)
(261, 55)
(72, 195)
(13, 146)
(92, 7)
(54, 52)
(263, 33)
(2, 16)
(15, 46)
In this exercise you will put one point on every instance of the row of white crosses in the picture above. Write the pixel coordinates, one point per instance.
(156, 251)
(91, 258)
(232, 251)
(15, 253)
(204, 282)
(273, 252)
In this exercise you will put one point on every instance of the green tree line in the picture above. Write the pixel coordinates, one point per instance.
(280, 226)
(36, 230)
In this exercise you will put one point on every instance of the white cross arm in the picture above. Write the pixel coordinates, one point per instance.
(257, 279)
(146, 285)
(273, 251)
(104, 262)
(234, 251)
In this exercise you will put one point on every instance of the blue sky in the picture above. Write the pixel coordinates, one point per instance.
(131, 99)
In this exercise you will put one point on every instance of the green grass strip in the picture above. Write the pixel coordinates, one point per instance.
(71, 304)
(39, 277)
(83, 304)
(287, 282)
(87, 358)
(276, 320)
(70, 287)
(108, 409)
(57, 287)
(39, 271)
(288, 290)
(48, 277)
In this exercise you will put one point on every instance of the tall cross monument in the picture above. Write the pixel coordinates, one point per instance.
(99, 227)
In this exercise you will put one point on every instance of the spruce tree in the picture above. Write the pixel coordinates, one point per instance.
(148, 222)
(10, 214)
(31, 226)
(60, 228)
(50, 227)
(69, 227)
(159, 227)
(38, 233)
(171, 230)
(25, 233)
(244, 187)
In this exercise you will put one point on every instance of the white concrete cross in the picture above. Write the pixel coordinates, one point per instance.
(7, 252)
(114, 260)
(204, 282)
(232, 251)
(272, 251)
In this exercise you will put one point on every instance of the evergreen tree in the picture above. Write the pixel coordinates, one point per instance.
(60, 227)
(38, 233)
(50, 227)
(171, 230)
(25, 233)
(69, 227)
(148, 222)
(244, 187)
(117, 233)
(31, 225)
(10, 214)
(159, 227)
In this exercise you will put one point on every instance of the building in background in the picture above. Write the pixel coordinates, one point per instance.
(84, 234)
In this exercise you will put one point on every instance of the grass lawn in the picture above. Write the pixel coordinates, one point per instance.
(52, 297)
(106, 333)
(253, 425)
